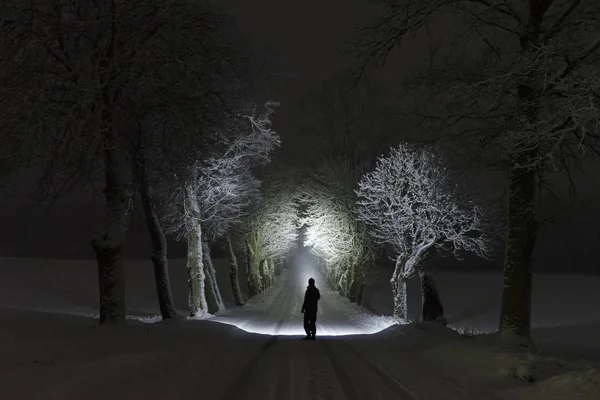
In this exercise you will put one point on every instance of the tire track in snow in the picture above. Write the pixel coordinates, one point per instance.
(392, 384)
(349, 385)
(237, 389)
(343, 379)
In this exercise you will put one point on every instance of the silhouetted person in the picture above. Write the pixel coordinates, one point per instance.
(309, 308)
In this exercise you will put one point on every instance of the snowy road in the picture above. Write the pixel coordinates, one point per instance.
(288, 368)
(277, 312)
(333, 366)
(330, 369)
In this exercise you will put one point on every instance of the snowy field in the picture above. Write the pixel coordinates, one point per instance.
(52, 347)
(565, 308)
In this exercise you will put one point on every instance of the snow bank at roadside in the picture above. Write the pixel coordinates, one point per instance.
(572, 385)
(511, 371)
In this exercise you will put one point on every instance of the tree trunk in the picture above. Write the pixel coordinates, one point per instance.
(357, 284)
(111, 282)
(234, 273)
(360, 294)
(264, 274)
(400, 298)
(158, 241)
(253, 266)
(399, 290)
(270, 272)
(515, 315)
(515, 312)
(108, 243)
(197, 305)
(214, 299)
(350, 283)
(432, 305)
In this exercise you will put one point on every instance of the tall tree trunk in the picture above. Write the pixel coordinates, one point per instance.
(108, 243)
(196, 293)
(158, 241)
(234, 275)
(515, 315)
(253, 265)
(215, 300)
(432, 305)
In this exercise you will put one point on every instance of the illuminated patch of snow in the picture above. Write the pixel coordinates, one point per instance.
(277, 310)
(201, 315)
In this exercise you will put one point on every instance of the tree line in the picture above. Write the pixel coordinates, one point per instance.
(157, 103)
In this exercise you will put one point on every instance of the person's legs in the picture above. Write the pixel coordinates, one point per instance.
(307, 322)
(313, 323)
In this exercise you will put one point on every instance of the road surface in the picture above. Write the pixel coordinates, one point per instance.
(278, 311)
(338, 365)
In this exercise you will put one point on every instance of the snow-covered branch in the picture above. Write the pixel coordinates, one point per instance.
(408, 202)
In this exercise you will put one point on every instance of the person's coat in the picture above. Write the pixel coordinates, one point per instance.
(311, 298)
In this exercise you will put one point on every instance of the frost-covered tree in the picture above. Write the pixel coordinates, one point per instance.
(516, 82)
(217, 195)
(76, 79)
(270, 231)
(332, 230)
(409, 203)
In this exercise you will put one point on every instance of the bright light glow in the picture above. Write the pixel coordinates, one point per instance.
(326, 329)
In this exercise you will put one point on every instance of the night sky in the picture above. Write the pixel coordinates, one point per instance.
(302, 44)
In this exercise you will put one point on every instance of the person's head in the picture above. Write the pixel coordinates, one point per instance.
(311, 282)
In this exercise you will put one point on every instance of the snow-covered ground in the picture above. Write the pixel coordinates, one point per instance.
(52, 348)
(277, 311)
(565, 308)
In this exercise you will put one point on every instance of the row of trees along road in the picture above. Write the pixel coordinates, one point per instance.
(144, 96)
(515, 85)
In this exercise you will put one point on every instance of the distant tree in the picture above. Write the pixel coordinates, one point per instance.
(409, 203)
(332, 230)
(270, 231)
(517, 85)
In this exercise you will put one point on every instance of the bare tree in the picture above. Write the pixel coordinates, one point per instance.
(525, 91)
(408, 202)
(155, 230)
